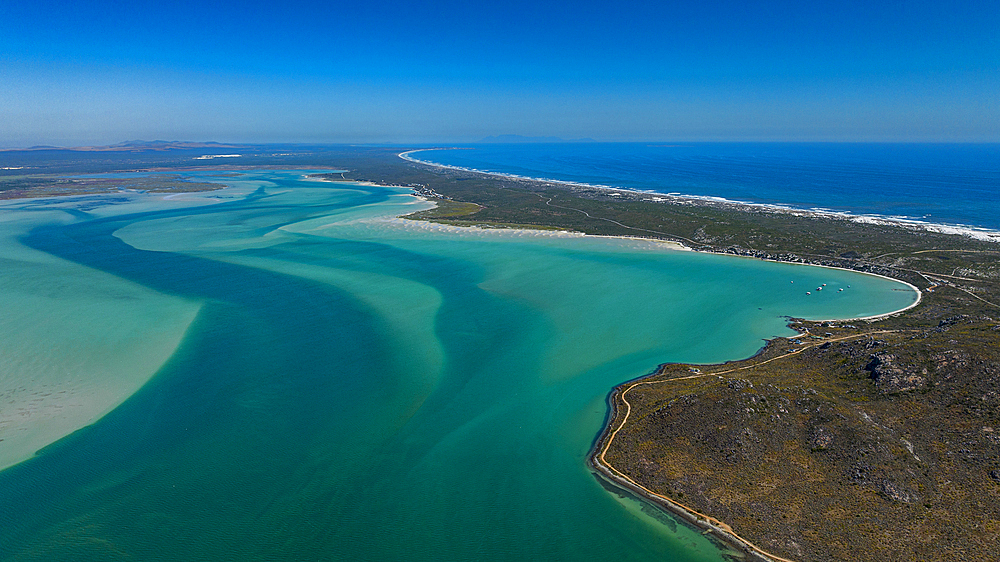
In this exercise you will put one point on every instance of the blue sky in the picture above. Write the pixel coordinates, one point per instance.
(297, 71)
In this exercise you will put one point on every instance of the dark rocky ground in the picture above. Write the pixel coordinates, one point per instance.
(879, 447)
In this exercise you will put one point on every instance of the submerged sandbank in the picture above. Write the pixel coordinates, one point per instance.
(75, 342)
(72, 354)
(360, 369)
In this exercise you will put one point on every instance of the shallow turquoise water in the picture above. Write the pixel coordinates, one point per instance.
(355, 387)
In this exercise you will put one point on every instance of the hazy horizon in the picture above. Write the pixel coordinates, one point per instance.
(379, 73)
(208, 144)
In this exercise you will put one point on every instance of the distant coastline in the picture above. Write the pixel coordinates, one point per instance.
(974, 232)
(956, 271)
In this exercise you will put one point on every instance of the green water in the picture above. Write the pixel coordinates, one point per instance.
(359, 387)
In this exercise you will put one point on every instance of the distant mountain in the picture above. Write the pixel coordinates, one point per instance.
(133, 146)
(154, 145)
(512, 139)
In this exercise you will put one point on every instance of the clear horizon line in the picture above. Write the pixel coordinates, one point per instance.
(528, 140)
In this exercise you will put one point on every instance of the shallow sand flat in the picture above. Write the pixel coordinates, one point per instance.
(358, 386)
(74, 342)
(535, 266)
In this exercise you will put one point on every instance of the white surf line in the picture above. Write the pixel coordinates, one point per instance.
(969, 231)
(917, 291)
(873, 317)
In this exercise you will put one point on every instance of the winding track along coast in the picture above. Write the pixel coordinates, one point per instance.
(711, 524)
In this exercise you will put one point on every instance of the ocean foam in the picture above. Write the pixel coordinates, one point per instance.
(969, 231)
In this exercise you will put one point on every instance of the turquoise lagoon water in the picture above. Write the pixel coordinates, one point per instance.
(354, 386)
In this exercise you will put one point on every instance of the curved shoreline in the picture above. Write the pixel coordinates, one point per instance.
(913, 287)
(682, 246)
(974, 232)
(718, 529)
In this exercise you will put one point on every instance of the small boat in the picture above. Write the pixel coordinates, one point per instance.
(808, 293)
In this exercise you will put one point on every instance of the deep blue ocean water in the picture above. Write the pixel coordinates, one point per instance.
(953, 184)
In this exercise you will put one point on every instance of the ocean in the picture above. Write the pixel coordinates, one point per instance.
(947, 184)
(283, 370)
